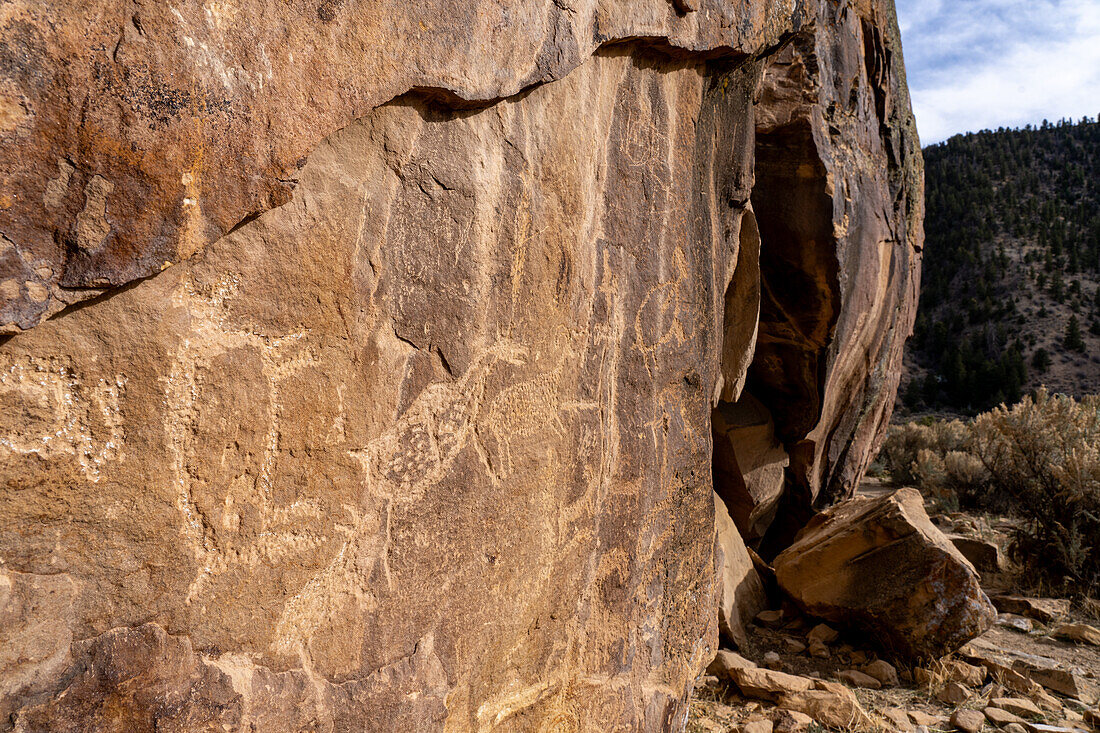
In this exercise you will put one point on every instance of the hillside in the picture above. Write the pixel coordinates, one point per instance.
(1010, 297)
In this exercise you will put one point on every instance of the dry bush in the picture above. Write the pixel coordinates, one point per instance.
(901, 451)
(1038, 460)
(1043, 455)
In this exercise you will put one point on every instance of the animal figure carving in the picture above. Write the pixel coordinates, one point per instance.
(663, 317)
(279, 532)
(398, 466)
(524, 411)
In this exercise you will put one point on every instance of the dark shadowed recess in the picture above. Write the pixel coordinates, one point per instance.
(800, 303)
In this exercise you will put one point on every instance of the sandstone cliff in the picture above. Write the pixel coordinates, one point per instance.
(362, 355)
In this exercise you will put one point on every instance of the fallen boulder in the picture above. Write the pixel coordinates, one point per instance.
(1053, 676)
(982, 554)
(881, 566)
(725, 662)
(749, 463)
(1078, 633)
(742, 593)
(1045, 610)
(768, 684)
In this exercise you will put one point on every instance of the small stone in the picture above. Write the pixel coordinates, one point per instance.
(968, 721)
(707, 680)
(883, 671)
(1017, 706)
(922, 676)
(1044, 728)
(855, 678)
(1045, 700)
(963, 673)
(769, 619)
(899, 718)
(819, 649)
(823, 633)
(773, 661)
(1016, 623)
(859, 657)
(1078, 633)
(794, 646)
(924, 719)
(1001, 718)
(953, 694)
(792, 721)
(757, 726)
(1015, 728)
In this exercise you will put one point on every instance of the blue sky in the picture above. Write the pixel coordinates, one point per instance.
(975, 64)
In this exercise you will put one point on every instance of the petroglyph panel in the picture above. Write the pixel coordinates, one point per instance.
(426, 447)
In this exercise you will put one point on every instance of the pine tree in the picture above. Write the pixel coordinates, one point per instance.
(1074, 341)
(1040, 361)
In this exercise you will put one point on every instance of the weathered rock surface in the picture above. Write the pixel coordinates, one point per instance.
(402, 421)
(741, 592)
(882, 566)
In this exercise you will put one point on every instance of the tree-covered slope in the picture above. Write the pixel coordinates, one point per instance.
(1010, 297)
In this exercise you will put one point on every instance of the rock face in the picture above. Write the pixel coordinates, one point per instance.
(880, 565)
(402, 420)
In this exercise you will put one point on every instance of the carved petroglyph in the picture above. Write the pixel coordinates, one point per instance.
(664, 317)
(526, 411)
(398, 466)
(48, 411)
(279, 530)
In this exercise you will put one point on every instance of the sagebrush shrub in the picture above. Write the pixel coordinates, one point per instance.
(1043, 454)
(1038, 460)
(901, 451)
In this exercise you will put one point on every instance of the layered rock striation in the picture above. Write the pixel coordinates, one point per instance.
(362, 356)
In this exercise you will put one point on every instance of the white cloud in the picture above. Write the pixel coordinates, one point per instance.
(974, 64)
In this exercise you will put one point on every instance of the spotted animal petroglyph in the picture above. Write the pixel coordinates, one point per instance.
(281, 531)
(398, 466)
(48, 411)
